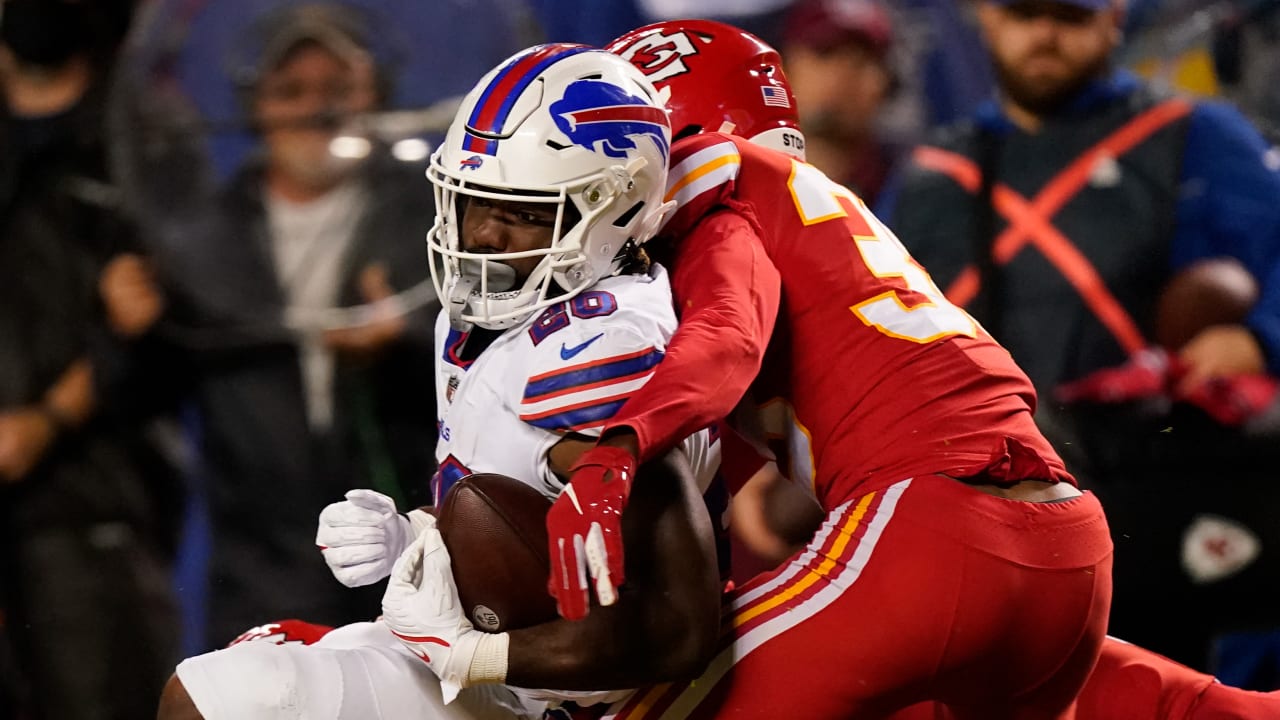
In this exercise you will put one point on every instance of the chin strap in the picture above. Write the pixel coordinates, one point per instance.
(459, 296)
(475, 278)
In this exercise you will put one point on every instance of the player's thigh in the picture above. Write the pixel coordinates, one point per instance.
(1028, 629)
(847, 628)
(865, 621)
(340, 679)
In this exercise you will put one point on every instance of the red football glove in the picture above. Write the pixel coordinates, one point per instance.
(584, 530)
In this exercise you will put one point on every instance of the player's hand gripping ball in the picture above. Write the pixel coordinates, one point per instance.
(584, 529)
(495, 530)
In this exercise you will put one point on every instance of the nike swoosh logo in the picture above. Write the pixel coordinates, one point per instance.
(421, 653)
(567, 353)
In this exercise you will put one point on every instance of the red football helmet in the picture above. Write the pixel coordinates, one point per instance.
(720, 78)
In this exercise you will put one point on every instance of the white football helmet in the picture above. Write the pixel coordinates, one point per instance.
(553, 124)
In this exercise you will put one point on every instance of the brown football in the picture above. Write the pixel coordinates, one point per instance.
(1214, 291)
(495, 529)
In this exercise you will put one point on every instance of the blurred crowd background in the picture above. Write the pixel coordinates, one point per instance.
(215, 306)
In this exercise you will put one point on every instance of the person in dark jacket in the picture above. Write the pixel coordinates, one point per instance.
(1056, 216)
(299, 314)
(85, 498)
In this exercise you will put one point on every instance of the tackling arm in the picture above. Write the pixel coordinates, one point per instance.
(728, 293)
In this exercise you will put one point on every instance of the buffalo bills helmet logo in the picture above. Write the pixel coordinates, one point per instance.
(602, 117)
(471, 163)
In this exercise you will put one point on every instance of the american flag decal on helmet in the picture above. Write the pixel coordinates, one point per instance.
(775, 96)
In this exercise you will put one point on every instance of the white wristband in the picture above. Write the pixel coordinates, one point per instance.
(489, 664)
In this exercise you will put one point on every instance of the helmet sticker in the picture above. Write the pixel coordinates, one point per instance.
(775, 96)
(660, 56)
(603, 117)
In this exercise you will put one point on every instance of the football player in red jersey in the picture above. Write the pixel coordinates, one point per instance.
(956, 548)
(915, 388)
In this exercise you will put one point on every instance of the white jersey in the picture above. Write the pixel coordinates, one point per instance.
(568, 369)
(565, 370)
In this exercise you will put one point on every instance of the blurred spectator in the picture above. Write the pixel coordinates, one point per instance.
(939, 59)
(296, 401)
(435, 50)
(836, 54)
(84, 582)
(1056, 216)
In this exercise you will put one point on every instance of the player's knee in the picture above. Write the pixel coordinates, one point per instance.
(176, 704)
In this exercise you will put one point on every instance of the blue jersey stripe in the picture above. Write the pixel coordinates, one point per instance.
(590, 375)
(579, 418)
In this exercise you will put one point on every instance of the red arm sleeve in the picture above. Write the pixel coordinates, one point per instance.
(727, 293)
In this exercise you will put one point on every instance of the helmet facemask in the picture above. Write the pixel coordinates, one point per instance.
(565, 126)
(596, 225)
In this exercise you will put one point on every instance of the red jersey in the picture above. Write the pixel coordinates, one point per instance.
(878, 377)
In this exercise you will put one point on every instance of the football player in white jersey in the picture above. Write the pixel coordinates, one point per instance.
(549, 180)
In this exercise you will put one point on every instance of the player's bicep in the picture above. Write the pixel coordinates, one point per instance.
(724, 281)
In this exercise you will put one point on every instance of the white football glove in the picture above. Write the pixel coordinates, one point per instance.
(362, 536)
(422, 609)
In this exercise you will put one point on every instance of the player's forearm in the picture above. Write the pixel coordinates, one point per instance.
(708, 367)
(772, 517)
(728, 293)
(567, 656)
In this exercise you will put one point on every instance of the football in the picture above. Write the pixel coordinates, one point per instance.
(495, 530)
(1214, 291)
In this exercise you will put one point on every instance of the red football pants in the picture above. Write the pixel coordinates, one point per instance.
(1133, 683)
(928, 589)
(1130, 683)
